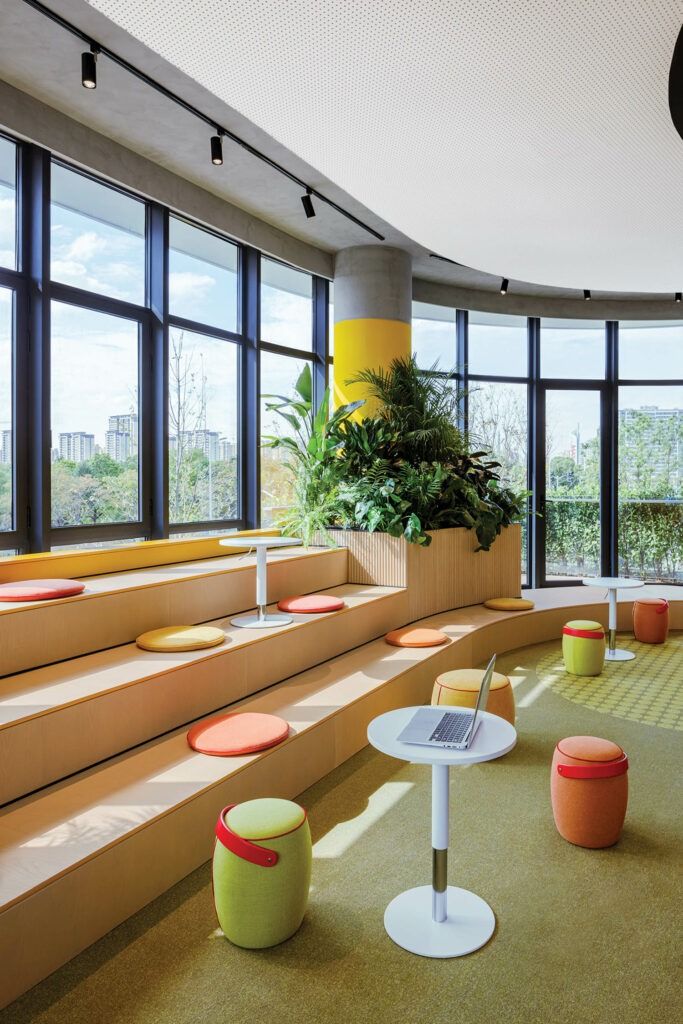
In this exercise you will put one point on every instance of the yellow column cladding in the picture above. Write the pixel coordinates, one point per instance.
(365, 343)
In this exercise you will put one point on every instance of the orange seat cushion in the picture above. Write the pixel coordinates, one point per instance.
(413, 636)
(237, 733)
(589, 748)
(40, 590)
(310, 604)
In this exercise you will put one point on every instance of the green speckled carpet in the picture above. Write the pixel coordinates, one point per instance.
(583, 937)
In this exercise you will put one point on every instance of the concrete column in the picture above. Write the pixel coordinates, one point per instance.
(372, 314)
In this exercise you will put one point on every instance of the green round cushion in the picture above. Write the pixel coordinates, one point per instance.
(586, 624)
(264, 818)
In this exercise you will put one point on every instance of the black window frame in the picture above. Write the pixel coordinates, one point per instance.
(34, 292)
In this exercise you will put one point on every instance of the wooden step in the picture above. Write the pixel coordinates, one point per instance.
(59, 719)
(81, 856)
(116, 608)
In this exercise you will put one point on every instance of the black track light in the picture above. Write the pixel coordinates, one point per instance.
(504, 286)
(307, 203)
(89, 67)
(587, 294)
(677, 297)
(217, 149)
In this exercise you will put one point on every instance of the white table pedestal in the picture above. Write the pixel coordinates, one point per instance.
(611, 584)
(262, 620)
(439, 920)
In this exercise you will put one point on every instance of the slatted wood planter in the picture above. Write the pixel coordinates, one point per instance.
(450, 573)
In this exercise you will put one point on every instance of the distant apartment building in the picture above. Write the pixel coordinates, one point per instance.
(206, 441)
(227, 450)
(117, 444)
(125, 424)
(76, 446)
(6, 448)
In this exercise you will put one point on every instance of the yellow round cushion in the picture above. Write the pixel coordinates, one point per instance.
(459, 688)
(509, 604)
(180, 638)
(469, 679)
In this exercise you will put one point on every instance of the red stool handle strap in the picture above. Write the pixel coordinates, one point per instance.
(596, 770)
(664, 606)
(243, 847)
(585, 634)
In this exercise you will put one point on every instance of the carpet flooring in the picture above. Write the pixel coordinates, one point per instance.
(582, 936)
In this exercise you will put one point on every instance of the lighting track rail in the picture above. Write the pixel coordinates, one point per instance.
(103, 51)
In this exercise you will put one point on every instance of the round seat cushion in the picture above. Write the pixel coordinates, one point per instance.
(589, 748)
(264, 818)
(585, 626)
(237, 733)
(413, 636)
(310, 604)
(509, 604)
(180, 638)
(460, 687)
(40, 590)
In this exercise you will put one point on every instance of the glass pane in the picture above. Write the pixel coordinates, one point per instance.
(434, 336)
(8, 204)
(286, 306)
(6, 412)
(278, 377)
(330, 310)
(649, 351)
(497, 345)
(95, 417)
(573, 348)
(202, 428)
(651, 483)
(202, 276)
(498, 421)
(572, 514)
(97, 237)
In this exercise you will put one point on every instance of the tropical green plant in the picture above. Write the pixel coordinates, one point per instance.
(312, 457)
(403, 471)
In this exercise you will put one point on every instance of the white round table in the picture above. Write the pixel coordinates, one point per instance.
(261, 544)
(611, 584)
(440, 920)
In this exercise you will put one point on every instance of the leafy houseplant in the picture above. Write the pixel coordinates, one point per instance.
(404, 471)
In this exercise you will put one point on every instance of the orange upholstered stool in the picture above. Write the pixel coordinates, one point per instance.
(651, 620)
(416, 636)
(460, 687)
(589, 790)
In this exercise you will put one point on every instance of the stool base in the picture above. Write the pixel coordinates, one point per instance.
(255, 622)
(619, 654)
(469, 925)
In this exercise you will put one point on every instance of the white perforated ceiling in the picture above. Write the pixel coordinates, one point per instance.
(528, 138)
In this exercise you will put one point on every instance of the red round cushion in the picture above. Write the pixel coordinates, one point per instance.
(309, 604)
(416, 636)
(240, 732)
(39, 590)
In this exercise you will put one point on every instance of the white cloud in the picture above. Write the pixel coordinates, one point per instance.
(187, 285)
(84, 247)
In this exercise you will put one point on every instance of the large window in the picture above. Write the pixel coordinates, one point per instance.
(434, 342)
(6, 411)
(95, 417)
(97, 237)
(286, 306)
(202, 284)
(497, 345)
(8, 204)
(279, 375)
(573, 349)
(202, 428)
(142, 416)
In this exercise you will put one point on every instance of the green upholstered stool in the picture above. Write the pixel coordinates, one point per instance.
(261, 871)
(583, 647)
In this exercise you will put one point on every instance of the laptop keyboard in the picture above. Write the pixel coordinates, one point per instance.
(451, 729)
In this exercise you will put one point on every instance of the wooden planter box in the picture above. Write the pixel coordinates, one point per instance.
(450, 573)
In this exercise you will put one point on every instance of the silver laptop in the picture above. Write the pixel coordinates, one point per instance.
(454, 729)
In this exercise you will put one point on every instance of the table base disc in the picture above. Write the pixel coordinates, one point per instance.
(619, 655)
(469, 925)
(253, 621)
